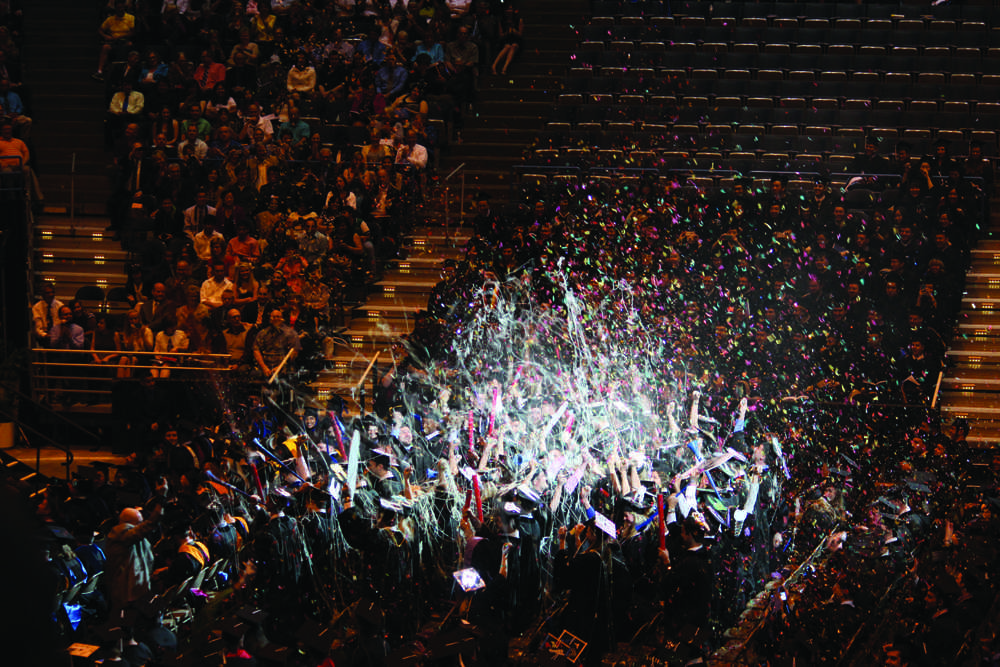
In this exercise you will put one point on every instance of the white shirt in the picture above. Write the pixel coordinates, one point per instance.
(200, 149)
(44, 321)
(203, 244)
(415, 156)
(211, 291)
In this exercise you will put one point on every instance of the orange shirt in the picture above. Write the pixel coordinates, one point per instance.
(9, 148)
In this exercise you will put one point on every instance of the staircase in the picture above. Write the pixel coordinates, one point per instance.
(66, 104)
(508, 113)
(75, 252)
(70, 247)
(385, 316)
(971, 388)
(511, 109)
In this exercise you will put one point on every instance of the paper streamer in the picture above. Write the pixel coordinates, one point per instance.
(574, 480)
(479, 498)
(472, 435)
(552, 422)
(340, 439)
(663, 521)
(352, 462)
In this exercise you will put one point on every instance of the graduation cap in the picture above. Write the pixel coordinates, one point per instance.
(272, 654)
(60, 533)
(369, 611)
(510, 509)
(381, 457)
(390, 507)
(527, 495)
(252, 615)
(605, 525)
(316, 636)
(234, 628)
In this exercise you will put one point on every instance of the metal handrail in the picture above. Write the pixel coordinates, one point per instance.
(52, 441)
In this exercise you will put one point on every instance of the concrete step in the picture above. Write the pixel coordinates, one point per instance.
(985, 256)
(68, 282)
(981, 275)
(983, 379)
(431, 239)
(493, 148)
(406, 285)
(516, 80)
(367, 315)
(58, 224)
(982, 300)
(969, 404)
(973, 350)
(513, 91)
(411, 301)
(513, 107)
(113, 258)
(368, 339)
(492, 130)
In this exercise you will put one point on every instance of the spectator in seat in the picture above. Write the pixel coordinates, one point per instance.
(133, 337)
(83, 318)
(116, 33)
(195, 216)
(64, 334)
(203, 239)
(215, 285)
(192, 146)
(301, 78)
(12, 108)
(17, 158)
(156, 309)
(195, 118)
(209, 73)
(126, 107)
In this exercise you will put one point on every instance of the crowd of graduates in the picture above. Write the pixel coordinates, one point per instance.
(778, 422)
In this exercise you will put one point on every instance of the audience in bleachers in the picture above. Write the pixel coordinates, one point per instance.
(786, 282)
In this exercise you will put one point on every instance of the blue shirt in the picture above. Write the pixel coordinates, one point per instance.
(11, 103)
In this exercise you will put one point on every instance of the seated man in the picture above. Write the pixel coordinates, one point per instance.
(12, 107)
(215, 285)
(224, 143)
(116, 34)
(195, 216)
(209, 73)
(153, 312)
(199, 149)
(243, 247)
(411, 154)
(203, 239)
(17, 158)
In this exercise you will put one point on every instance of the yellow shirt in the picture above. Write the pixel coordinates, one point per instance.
(119, 28)
(264, 28)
